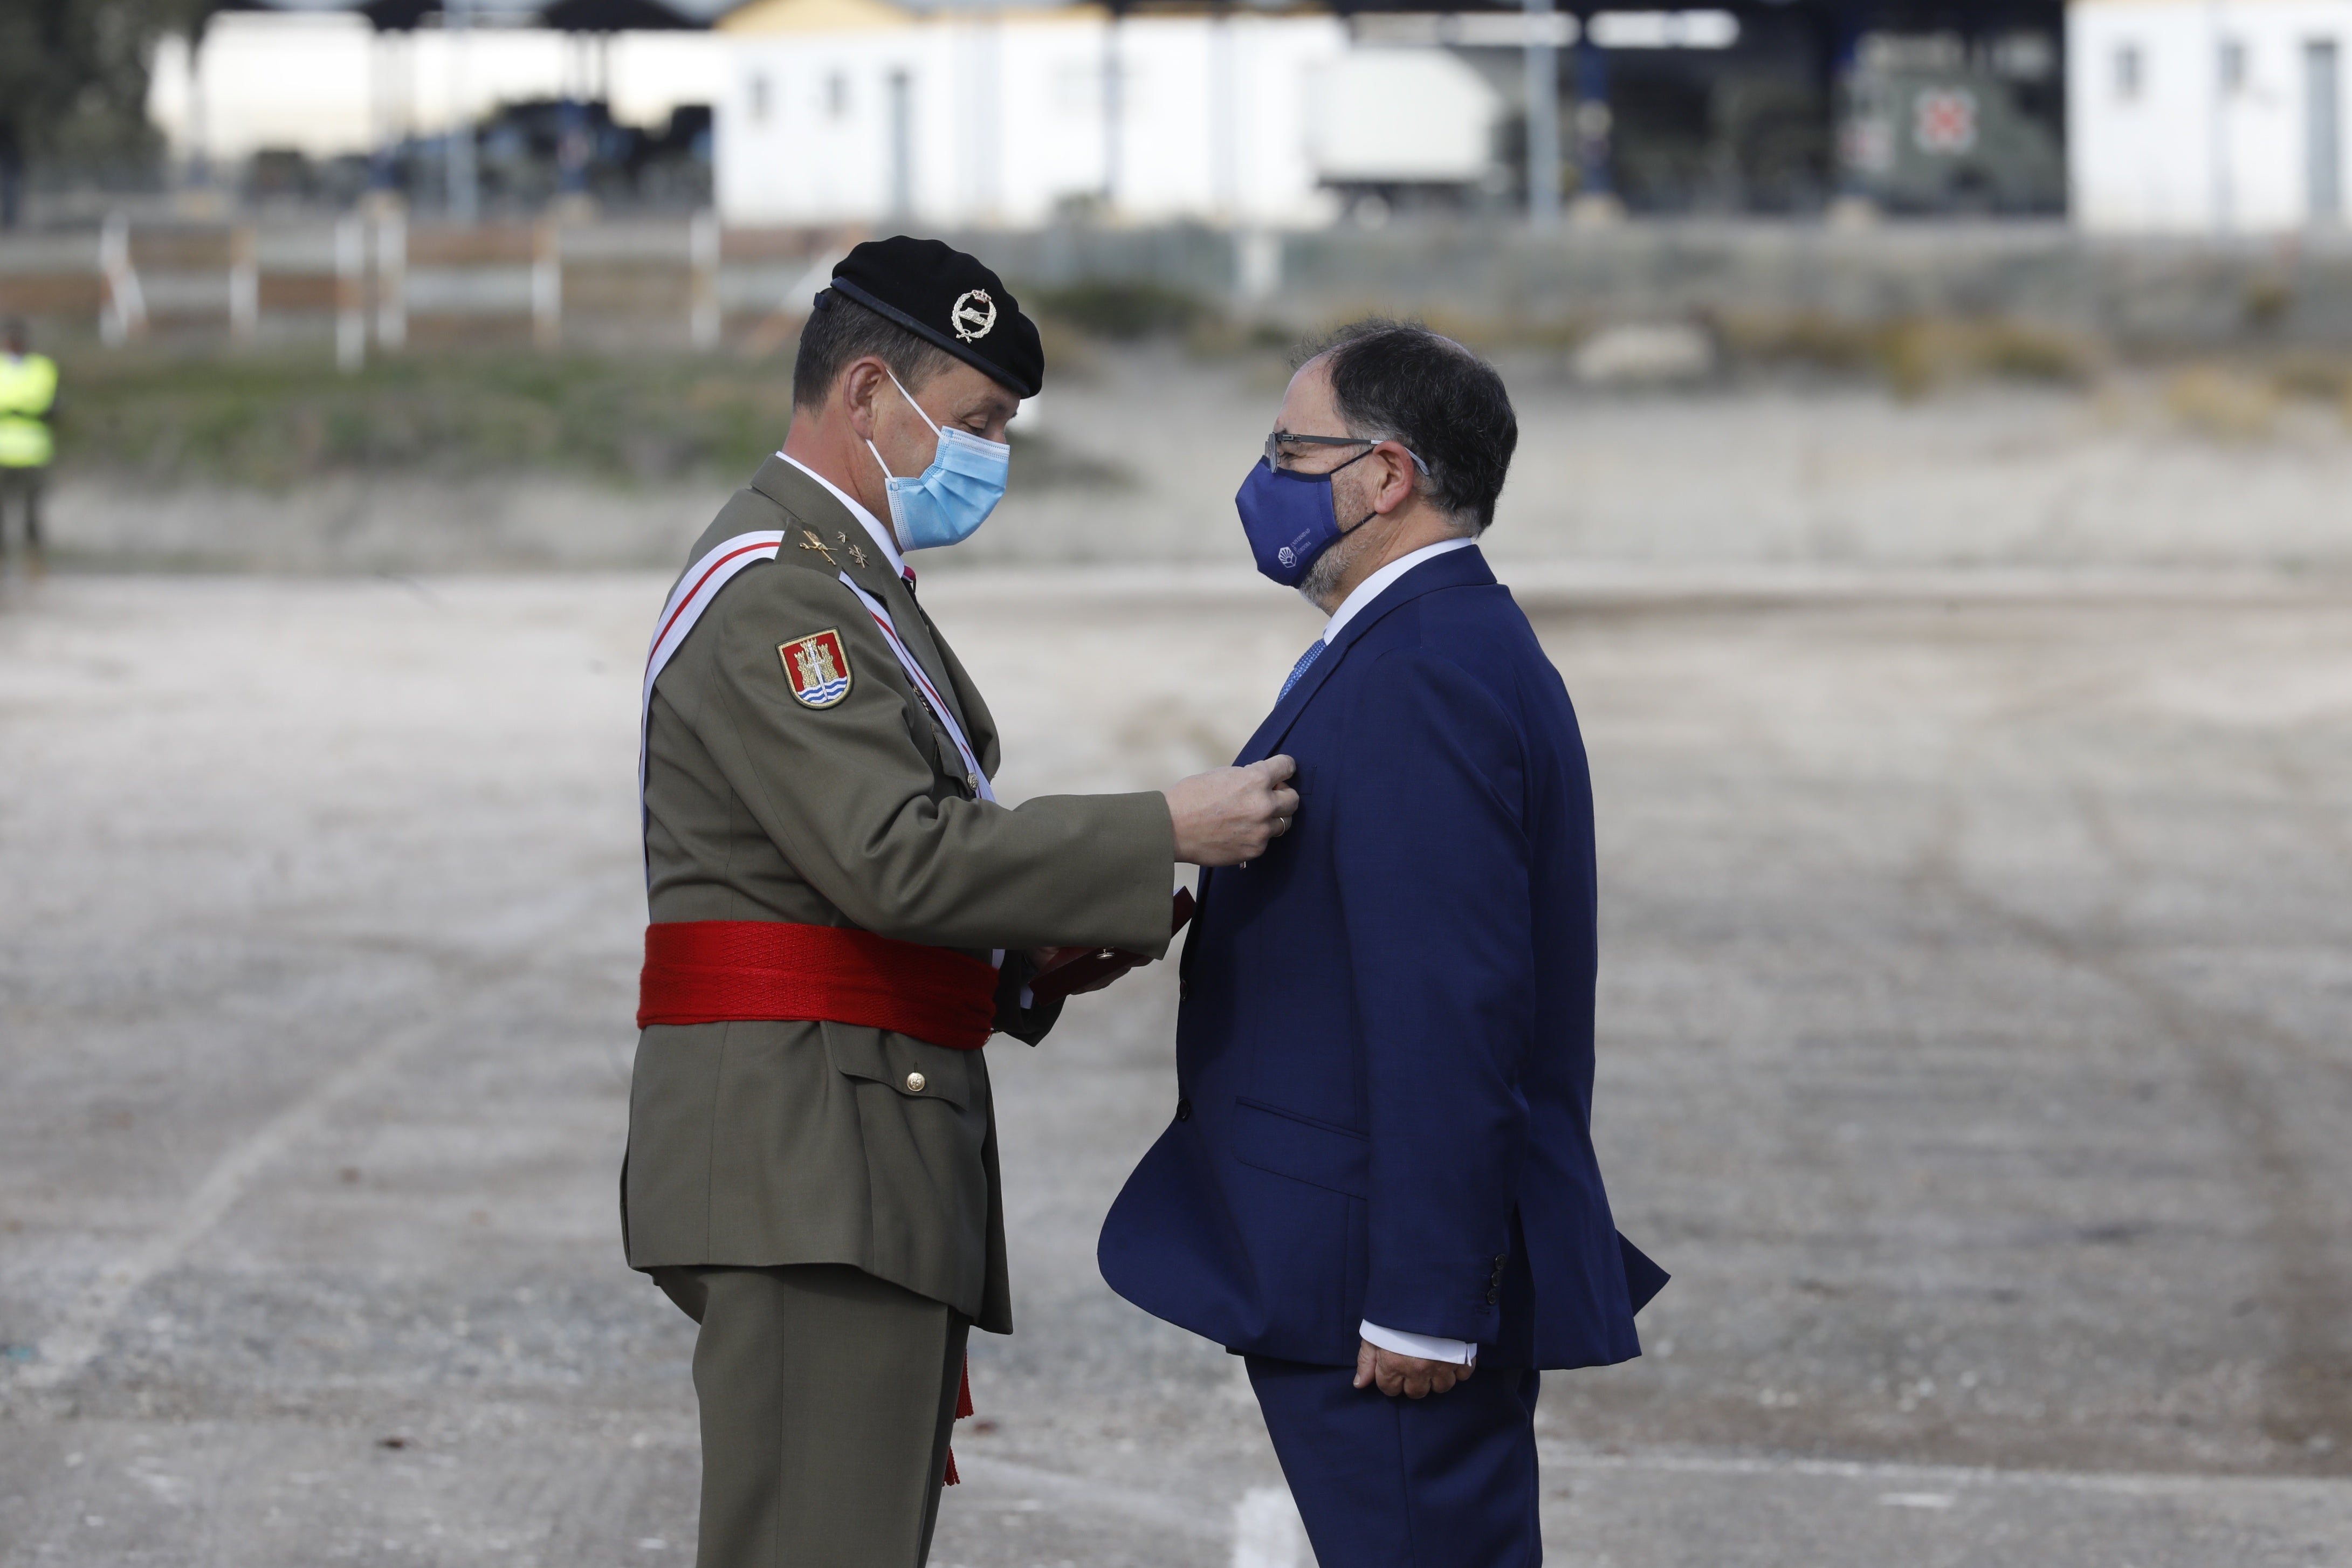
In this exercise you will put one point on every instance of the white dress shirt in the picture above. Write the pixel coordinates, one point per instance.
(1373, 586)
(1428, 1347)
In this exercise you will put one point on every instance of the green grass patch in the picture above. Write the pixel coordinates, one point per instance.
(271, 423)
(1125, 311)
(250, 422)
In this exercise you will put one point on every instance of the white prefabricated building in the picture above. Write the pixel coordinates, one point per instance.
(2208, 116)
(326, 84)
(830, 111)
(852, 110)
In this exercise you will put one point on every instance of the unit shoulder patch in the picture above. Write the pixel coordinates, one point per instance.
(817, 666)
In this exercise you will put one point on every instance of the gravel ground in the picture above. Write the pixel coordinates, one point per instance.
(1975, 984)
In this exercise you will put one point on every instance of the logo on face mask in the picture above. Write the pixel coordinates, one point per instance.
(1288, 557)
(973, 315)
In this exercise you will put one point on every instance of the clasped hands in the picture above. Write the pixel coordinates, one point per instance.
(1225, 816)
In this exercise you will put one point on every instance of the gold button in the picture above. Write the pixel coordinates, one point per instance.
(915, 1082)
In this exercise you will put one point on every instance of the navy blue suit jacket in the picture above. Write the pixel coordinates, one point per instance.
(1384, 1052)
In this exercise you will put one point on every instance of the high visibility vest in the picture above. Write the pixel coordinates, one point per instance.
(28, 387)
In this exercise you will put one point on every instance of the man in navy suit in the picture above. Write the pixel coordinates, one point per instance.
(1379, 1178)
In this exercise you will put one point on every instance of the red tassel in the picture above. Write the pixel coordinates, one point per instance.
(963, 1409)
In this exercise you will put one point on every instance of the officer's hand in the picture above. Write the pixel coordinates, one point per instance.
(1406, 1374)
(1230, 815)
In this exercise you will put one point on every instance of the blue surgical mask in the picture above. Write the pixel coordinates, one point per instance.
(954, 496)
(1290, 519)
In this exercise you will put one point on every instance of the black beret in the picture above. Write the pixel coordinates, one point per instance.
(944, 297)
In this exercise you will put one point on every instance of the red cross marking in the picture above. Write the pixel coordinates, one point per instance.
(1947, 120)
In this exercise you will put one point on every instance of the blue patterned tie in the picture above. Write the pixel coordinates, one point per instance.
(1306, 662)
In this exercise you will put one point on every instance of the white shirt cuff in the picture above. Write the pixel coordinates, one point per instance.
(1428, 1347)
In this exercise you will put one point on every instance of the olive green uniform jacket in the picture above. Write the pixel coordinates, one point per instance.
(756, 1145)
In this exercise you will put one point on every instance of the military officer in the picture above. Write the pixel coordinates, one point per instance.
(842, 914)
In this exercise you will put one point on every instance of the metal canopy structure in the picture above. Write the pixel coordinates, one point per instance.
(563, 16)
(614, 17)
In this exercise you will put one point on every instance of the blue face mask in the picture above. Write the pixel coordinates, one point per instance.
(954, 496)
(1290, 519)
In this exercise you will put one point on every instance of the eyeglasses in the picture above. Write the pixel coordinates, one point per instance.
(1279, 439)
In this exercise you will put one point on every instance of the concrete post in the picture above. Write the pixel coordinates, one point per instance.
(391, 280)
(244, 284)
(351, 293)
(124, 315)
(547, 284)
(1257, 264)
(702, 261)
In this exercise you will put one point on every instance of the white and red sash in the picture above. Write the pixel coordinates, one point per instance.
(940, 710)
(702, 584)
(687, 602)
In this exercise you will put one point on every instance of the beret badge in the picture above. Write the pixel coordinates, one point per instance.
(973, 315)
(948, 299)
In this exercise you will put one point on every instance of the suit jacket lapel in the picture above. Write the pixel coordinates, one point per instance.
(1455, 569)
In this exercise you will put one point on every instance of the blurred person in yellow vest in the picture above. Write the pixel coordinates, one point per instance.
(28, 396)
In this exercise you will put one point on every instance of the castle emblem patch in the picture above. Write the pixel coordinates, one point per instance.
(818, 668)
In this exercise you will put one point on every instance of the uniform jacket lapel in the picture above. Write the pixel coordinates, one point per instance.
(1455, 569)
(930, 651)
(979, 723)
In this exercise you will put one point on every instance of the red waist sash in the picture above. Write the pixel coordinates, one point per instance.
(718, 972)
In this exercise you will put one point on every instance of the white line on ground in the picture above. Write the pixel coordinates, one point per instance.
(1082, 1494)
(1927, 1480)
(81, 1332)
(1268, 1531)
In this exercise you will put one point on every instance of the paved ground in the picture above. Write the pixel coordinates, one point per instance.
(1975, 1051)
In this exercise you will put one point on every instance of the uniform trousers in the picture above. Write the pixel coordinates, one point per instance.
(828, 1397)
(20, 491)
(1448, 1481)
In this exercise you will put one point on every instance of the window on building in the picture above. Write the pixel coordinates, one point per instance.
(2233, 65)
(2129, 71)
(2323, 123)
(902, 144)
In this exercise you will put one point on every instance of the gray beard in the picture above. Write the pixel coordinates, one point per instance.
(1322, 580)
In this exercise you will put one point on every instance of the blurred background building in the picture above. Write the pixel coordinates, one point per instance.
(793, 111)
(667, 166)
(2214, 119)
(2133, 115)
